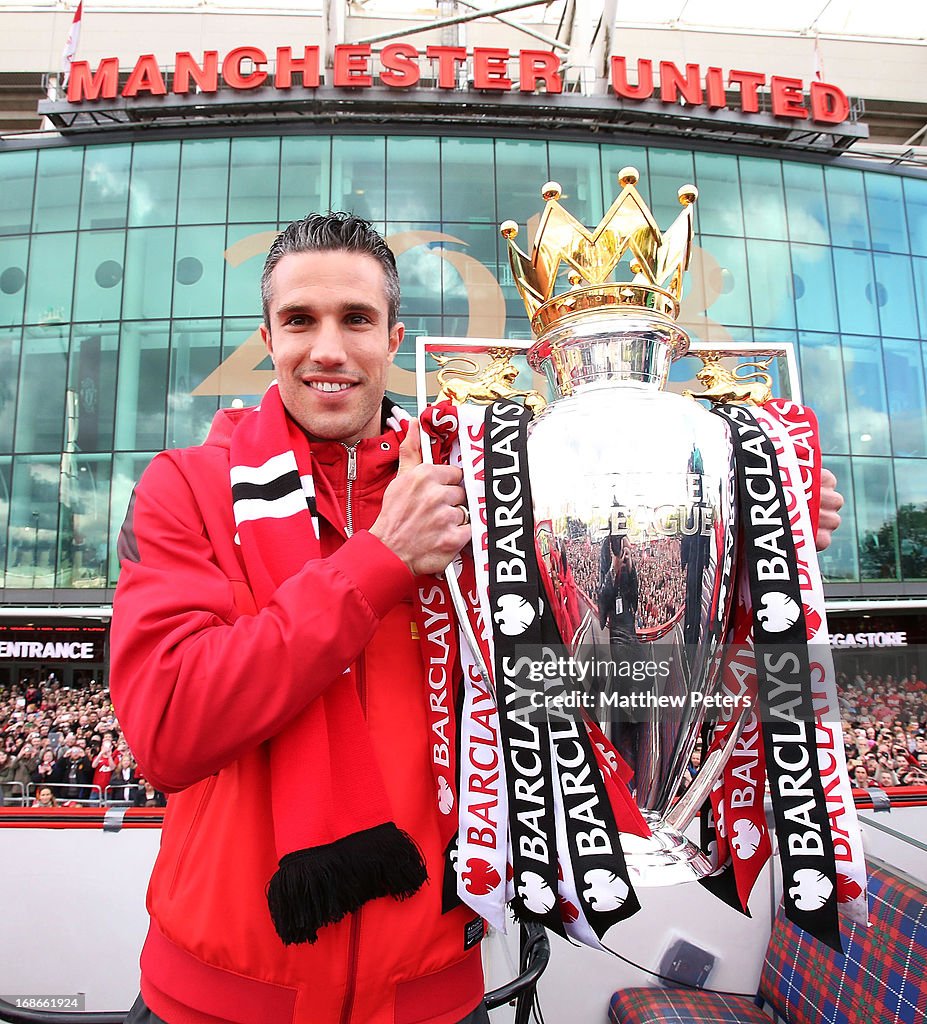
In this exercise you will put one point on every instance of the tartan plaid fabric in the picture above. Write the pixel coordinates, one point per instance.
(882, 976)
(682, 1006)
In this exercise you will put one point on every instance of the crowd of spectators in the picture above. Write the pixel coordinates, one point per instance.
(884, 729)
(62, 746)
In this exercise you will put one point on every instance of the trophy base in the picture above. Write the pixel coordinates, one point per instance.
(665, 857)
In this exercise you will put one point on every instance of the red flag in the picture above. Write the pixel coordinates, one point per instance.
(70, 47)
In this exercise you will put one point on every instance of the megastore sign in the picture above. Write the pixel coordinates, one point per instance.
(483, 69)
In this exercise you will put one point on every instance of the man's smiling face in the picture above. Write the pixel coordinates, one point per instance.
(331, 342)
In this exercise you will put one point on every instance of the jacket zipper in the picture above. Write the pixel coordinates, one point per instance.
(351, 449)
(350, 988)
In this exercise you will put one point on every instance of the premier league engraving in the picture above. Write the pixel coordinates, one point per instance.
(633, 493)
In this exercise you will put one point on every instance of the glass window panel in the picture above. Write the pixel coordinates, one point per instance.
(359, 176)
(920, 286)
(247, 384)
(414, 188)
(764, 202)
(6, 474)
(576, 166)
(876, 519)
(14, 255)
(153, 184)
(915, 198)
(840, 562)
(813, 284)
(806, 203)
(92, 383)
(105, 194)
(48, 296)
(465, 162)
(907, 398)
(42, 383)
(83, 529)
(770, 284)
(886, 213)
(196, 350)
(614, 160)
(718, 282)
(858, 306)
(470, 281)
(718, 210)
(199, 267)
(669, 169)
(894, 291)
(127, 469)
(822, 387)
(419, 266)
(141, 394)
(149, 274)
(253, 180)
(204, 166)
(521, 170)
(866, 403)
(305, 176)
(243, 278)
(17, 171)
(57, 190)
(911, 488)
(9, 375)
(100, 270)
(846, 203)
(33, 532)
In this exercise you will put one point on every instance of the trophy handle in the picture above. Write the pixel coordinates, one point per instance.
(688, 805)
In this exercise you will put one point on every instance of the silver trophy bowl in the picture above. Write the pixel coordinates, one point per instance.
(633, 491)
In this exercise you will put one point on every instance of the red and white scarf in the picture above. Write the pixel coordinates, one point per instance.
(338, 849)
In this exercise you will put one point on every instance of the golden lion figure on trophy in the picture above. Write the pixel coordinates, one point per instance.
(725, 387)
(469, 382)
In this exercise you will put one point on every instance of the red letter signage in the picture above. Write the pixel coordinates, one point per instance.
(101, 85)
(288, 65)
(644, 88)
(400, 61)
(231, 68)
(490, 68)
(206, 77)
(352, 67)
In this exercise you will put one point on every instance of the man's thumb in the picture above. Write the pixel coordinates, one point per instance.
(410, 451)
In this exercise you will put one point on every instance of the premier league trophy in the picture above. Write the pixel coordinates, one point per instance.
(633, 491)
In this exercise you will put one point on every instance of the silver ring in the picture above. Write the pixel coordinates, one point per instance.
(466, 515)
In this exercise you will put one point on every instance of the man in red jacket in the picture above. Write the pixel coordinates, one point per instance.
(270, 669)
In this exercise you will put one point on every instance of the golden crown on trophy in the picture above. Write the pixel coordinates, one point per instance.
(657, 259)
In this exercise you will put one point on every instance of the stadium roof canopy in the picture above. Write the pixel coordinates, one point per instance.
(846, 19)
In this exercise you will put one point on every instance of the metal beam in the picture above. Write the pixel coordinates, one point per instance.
(549, 40)
(489, 12)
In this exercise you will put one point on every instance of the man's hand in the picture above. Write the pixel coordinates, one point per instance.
(421, 520)
(831, 503)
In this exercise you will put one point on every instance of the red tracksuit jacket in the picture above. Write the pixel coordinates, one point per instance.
(201, 680)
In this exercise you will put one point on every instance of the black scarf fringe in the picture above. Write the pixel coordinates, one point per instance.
(319, 886)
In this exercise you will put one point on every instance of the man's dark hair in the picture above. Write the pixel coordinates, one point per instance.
(333, 232)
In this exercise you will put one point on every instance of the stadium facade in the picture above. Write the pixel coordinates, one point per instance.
(136, 205)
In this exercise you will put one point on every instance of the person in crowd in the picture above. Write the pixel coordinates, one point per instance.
(76, 771)
(45, 771)
(123, 784)
(147, 796)
(44, 798)
(103, 764)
